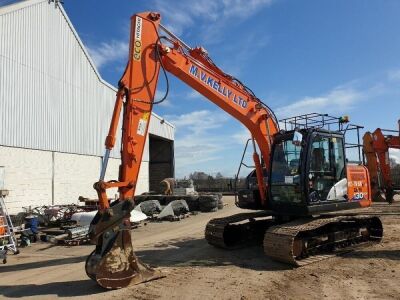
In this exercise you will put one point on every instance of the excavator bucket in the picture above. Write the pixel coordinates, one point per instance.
(113, 264)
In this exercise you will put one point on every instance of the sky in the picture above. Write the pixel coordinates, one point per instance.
(335, 56)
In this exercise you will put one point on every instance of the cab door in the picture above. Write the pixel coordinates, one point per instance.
(326, 166)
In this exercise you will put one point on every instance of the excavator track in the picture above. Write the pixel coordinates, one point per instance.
(234, 232)
(306, 241)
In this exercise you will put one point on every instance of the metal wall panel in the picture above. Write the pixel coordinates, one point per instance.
(51, 95)
(160, 127)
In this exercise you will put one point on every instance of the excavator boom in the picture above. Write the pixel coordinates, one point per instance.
(113, 264)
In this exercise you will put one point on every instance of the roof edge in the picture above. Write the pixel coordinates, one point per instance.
(162, 119)
(82, 45)
(18, 5)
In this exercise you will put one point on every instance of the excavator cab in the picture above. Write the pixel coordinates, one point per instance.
(303, 175)
(309, 172)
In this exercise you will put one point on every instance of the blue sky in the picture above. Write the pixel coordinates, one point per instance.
(333, 56)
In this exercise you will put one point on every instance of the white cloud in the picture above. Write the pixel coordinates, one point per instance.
(243, 8)
(339, 100)
(193, 94)
(197, 122)
(183, 14)
(174, 16)
(343, 98)
(198, 139)
(242, 136)
(109, 52)
(242, 52)
(167, 102)
(395, 154)
(394, 75)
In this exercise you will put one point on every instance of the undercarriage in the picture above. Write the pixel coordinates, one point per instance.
(297, 242)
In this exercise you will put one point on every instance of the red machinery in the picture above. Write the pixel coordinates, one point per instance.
(300, 173)
(376, 149)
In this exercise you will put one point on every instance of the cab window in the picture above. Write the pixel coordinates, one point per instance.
(326, 166)
(285, 174)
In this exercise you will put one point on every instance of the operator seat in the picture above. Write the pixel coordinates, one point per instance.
(317, 159)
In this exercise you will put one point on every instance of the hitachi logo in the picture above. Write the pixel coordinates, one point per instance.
(138, 28)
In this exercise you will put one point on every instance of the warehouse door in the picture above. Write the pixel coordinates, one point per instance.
(161, 161)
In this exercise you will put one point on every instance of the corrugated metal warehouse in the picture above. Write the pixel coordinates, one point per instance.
(55, 111)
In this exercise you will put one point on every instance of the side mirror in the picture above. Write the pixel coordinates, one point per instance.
(297, 138)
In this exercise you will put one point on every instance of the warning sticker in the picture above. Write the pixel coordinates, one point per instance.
(146, 116)
(289, 179)
(141, 130)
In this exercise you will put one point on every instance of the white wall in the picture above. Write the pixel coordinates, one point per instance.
(143, 179)
(29, 177)
(74, 176)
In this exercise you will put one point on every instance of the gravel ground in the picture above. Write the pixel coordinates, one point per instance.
(195, 270)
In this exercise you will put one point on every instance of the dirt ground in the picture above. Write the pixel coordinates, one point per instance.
(195, 270)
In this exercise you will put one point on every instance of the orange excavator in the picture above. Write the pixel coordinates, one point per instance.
(301, 174)
(376, 147)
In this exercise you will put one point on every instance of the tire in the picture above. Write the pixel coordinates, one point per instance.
(208, 203)
(219, 195)
(192, 202)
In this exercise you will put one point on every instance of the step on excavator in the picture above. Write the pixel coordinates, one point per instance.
(300, 175)
(376, 147)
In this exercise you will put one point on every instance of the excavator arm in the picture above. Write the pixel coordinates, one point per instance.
(376, 147)
(113, 264)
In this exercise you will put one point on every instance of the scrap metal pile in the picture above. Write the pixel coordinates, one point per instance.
(173, 207)
(69, 224)
(50, 224)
